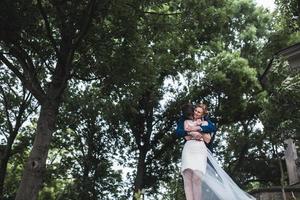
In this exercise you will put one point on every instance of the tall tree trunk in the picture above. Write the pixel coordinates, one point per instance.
(36, 165)
(6, 156)
(3, 167)
(139, 179)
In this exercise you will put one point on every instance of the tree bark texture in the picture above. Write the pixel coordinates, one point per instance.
(139, 179)
(36, 165)
(3, 167)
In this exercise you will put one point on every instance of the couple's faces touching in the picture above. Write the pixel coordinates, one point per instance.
(198, 112)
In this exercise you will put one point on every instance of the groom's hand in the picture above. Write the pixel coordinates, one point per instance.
(206, 137)
(188, 137)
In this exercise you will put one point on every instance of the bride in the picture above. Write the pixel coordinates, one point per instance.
(203, 178)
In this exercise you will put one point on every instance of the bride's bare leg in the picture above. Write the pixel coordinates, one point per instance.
(188, 185)
(196, 187)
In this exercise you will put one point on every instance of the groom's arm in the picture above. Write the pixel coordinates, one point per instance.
(180, 132)
(209, 128)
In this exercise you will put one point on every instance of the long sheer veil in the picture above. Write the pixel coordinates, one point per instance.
(217, 185)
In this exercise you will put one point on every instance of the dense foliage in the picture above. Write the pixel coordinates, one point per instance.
(91, 92)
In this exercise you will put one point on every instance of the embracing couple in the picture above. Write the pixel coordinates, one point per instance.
(203, 178)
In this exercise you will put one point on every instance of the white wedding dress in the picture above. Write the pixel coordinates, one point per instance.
(194, 157)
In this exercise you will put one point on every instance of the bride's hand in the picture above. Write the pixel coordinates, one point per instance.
(188, 137)
(191, 128)
(198, 136)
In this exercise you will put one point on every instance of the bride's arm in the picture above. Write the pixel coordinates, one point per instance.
(191, 130)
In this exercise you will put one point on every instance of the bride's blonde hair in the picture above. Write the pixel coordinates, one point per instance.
(203, 106)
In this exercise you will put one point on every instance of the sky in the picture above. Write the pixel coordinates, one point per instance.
(267, 4)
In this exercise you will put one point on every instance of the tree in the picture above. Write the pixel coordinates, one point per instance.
(290, 13)
(40, 51)
(281, 82)
(19, 155)
(280, 119)
(87, 154)
(16, 107)
(124, 53)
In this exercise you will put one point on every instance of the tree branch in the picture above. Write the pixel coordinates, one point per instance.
(68, 47)
(12, 67)
(85, 78)
(162, 14)
(5, 102)
(30, 82)
(152, 13)
(26, 99)
(85, 23)
(31, 86)
(48, 28)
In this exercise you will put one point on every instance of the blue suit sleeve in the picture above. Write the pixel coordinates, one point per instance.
(180, 132)
(210, 128)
